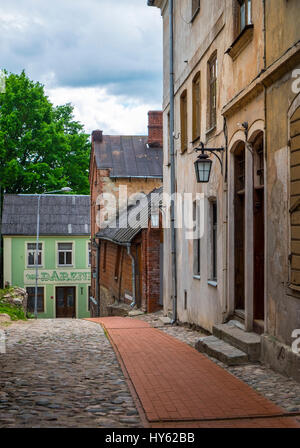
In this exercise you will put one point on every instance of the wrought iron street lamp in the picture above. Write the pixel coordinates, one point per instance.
(203, 163)
(64, 189)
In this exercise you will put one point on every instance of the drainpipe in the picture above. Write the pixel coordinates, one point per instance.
(266, 173)
(98, 277)
(133, 303)
(98, 246)
(225, 226)
(173, 174)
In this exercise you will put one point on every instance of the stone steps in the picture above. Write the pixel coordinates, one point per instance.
(120, 309)
(215, 347)
(233, 334)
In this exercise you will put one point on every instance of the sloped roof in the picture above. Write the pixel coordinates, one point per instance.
(132, 220)
(59, 215)
(129, 156)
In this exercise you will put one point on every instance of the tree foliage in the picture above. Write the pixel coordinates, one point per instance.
(42, 147)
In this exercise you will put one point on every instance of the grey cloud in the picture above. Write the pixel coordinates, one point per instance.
(107, 43)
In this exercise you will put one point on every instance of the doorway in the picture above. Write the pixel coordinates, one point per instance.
(239, 230)
(65, 301)
(259, 235)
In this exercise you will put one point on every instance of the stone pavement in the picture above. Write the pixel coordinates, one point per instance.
(179, 387)
(62, 373)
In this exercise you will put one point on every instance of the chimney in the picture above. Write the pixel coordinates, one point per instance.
(97, 136)
(155, 128)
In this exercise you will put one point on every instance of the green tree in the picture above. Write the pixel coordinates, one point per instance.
(42, 147)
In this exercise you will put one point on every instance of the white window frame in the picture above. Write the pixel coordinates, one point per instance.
(30, 266)
(58, 252)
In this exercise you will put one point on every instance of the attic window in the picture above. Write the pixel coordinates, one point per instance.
(195, 8)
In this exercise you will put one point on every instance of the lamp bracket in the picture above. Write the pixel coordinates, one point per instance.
(213, 151)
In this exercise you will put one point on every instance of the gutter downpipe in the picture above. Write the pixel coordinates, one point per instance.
(97, 289)
(98, 246)
(172, 156)
(133, 303)
(225, 226)
(266, 172)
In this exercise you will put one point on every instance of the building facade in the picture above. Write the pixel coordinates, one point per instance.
(120, 167)
(236, 70)
(131, 259)
(64, 252)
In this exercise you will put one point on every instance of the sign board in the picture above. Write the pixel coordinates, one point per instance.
(50, 277)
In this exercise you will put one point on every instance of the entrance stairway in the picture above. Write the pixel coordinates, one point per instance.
(231, 344)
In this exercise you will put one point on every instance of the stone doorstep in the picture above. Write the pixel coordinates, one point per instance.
(134, 313)
(165, 320)
(222, 351)
(249, 343)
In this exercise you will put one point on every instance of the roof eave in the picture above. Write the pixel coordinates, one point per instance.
(157, 3)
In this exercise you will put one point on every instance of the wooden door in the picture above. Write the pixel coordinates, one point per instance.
(65, 301)
(259, 254)
(258, 234)
(239, 229)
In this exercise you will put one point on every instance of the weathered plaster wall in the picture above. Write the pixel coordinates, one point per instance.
(282, 23)
(283, 303)
(195, 43)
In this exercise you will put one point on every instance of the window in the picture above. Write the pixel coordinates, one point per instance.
(196, 107)
(195, 8)
(197, 241)
(214, 240)
(65, 254)
(183, 120)
(117, 265)
(89, 254)
(168, 161)
(212, 91)
(31, 299)
(31, 252)
(295, 199)
(89, 300)
(104, 256)
(244, 14)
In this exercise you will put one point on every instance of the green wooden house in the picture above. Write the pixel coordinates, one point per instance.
(64, 252)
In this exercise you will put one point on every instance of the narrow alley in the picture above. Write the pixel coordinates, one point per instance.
(121, 372)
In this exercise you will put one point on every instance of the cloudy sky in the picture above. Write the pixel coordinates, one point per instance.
(104, 56)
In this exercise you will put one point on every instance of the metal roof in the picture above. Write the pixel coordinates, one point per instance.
(132, 220)
(59, 214)
(129, 156)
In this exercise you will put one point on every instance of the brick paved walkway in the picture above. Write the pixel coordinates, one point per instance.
(177, 386)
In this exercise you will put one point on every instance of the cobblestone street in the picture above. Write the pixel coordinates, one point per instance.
(62, 373)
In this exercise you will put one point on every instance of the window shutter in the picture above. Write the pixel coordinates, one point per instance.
(295, 197)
